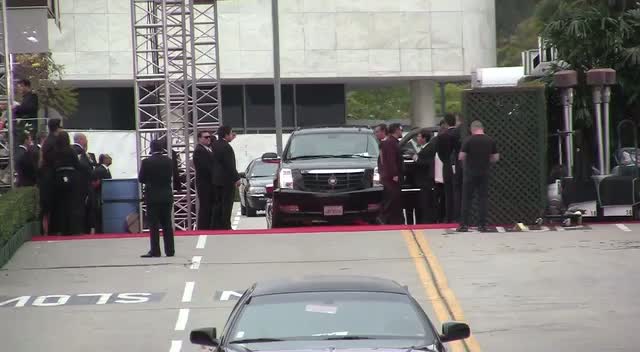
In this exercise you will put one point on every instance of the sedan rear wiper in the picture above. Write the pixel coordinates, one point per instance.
(350, 337)
(353, 156)
(256, 340)
(430, 348)
(311, 157)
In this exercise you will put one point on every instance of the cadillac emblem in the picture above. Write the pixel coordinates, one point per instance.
(333, 181)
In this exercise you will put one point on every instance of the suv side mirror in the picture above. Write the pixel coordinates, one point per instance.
(204, 337)
(453, 331)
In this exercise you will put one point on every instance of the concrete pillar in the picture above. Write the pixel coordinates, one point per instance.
(423, 109)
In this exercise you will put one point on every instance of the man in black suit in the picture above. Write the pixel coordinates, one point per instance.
(448, 147)
(26, 113)
(225, 178)
(156, 174)
(54, 126)
(26, 162)
(457, 166)
(203, 164)
(82, 205)
(425, 160)
(100, 173)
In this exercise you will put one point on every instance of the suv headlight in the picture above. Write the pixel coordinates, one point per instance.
(257, 190)
(376, 177)
(286, 178)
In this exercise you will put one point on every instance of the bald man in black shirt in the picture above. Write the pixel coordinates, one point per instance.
(478, 152)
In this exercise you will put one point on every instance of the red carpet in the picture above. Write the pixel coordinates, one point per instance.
(293, 231)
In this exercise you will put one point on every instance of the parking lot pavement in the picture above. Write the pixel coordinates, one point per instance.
(110, 299)
(90, 295)
(576, 290)
(519, 291)
(258, 222)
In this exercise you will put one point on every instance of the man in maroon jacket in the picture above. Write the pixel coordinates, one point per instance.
(391, 176)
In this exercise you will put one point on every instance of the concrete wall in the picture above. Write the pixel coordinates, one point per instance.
(337, 39)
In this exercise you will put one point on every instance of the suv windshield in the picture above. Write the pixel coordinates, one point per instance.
(342, 144)
(331, 315)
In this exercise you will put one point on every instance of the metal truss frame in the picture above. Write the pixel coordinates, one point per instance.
(6, 96)
(177, 85)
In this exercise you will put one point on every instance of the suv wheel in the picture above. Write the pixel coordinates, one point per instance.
(276, 220)
(251, 212)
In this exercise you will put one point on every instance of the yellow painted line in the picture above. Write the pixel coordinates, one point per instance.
(420, 251)
(437, 302)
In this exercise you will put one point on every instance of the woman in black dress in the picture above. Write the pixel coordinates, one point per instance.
(63, 166)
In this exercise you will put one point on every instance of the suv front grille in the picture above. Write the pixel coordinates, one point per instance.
(336, 182)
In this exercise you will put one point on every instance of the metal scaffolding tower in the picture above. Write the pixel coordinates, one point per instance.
(6, 97)
(177, 88)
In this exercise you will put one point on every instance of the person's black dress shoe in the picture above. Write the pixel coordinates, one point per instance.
(170, 255)
(462, 229)
(149, 255)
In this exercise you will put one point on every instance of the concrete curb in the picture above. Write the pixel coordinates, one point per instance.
(23, 235)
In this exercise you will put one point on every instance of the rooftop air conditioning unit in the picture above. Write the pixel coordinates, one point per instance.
(496, 77)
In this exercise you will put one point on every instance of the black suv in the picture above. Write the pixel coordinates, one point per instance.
(327, 173)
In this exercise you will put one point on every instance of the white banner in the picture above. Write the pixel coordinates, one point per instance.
(121, 146)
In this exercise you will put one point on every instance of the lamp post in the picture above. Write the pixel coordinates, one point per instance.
(276, 75)
(601, 81)
(566, 81)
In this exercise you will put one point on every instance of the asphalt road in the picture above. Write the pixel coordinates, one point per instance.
(569, 290)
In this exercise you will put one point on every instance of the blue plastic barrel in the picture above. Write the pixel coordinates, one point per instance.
(119, 200)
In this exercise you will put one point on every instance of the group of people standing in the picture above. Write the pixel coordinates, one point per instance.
(69, 179)
(216, 179)
(465, 172)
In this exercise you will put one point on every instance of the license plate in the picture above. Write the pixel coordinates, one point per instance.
(333, 210)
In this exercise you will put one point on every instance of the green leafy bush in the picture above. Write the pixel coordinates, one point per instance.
(17, 208)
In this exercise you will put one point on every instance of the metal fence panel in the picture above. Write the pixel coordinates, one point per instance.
(516, 118)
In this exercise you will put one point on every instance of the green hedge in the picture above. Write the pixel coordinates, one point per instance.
(17, 208)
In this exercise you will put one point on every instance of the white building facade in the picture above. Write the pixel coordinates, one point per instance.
(326, 45)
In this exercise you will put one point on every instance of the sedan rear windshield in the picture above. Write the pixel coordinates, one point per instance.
(333, 144)
(261, 169)
(331, 315)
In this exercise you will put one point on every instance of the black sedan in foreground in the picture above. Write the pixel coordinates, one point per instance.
(253, 182)
(327, 313)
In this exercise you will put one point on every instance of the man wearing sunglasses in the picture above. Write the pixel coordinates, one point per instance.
(203, 164)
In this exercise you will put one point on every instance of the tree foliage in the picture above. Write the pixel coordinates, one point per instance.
(46, 81)
(589, 34)
(395, 102)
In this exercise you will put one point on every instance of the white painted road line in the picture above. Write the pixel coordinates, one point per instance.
(195, 262)
(623, 227)
(202, 241)
(500, 229)
(188, 291)
(176, 346)
(183, 317)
